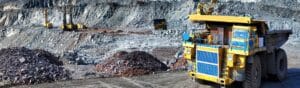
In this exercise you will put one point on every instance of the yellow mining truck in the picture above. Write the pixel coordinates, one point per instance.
(234, 49)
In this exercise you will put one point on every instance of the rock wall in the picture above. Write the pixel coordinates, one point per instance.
(21, 24)
(97, 13)
(140, 13)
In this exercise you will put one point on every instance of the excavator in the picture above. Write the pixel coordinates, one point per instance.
(66, 26)
(70, 26)
(47, 23)
(204, 8)
(234, 51)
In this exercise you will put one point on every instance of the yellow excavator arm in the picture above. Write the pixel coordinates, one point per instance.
(206, 8)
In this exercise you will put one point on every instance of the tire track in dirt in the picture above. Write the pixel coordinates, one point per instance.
(159, 80)
(142, 84)
(108, 85)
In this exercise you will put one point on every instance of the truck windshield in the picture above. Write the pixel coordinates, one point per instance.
(241, 34)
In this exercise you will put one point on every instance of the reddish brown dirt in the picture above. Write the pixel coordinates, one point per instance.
(180, 64)
(131, 64)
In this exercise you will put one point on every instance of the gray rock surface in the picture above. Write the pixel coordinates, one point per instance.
(22, 20)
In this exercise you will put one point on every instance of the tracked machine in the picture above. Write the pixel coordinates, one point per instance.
(234, 49)
(70, 26)
(47, 23)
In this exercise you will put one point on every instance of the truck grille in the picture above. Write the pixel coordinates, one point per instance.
(207, 63)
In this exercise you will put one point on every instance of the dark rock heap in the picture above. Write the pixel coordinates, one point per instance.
(25, 66)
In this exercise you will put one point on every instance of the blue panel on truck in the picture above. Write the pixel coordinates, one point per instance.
(207, 69)
(207, 63)
(207, 57)
(241, 34)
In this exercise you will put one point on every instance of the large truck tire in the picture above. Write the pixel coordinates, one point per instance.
(280, 65)
(253, 73)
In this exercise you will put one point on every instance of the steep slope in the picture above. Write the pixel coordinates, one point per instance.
(103, 14)
(21, 24)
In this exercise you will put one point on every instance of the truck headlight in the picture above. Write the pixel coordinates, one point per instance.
(230, 57)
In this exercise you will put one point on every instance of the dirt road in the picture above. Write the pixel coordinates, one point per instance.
(161, 80)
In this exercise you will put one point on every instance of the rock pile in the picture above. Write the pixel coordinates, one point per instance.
(25, 66)
(131, 64)
(179, 64)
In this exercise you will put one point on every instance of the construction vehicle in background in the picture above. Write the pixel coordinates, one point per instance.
(234, 49)
(204, 8)
(160, 24)
(47, 23)
(70, 26)
(66, 26)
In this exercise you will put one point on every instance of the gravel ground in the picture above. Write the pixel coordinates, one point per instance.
(161, 80)
(25, 66)
(131, 64)
(173, 79)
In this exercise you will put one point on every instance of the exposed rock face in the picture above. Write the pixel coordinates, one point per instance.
(131, 64)
(23, 18)
(140, 13)
(97, 13)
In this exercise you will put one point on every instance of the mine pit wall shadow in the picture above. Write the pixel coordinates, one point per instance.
(292, 80)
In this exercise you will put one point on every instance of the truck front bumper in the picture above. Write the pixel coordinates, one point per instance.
(218, 80)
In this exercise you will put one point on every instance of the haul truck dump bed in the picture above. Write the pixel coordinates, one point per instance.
(276, 38)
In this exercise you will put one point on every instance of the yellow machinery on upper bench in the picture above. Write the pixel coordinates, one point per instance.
(66, 26)
(70, 26)
(233, 49)
(47, 23)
